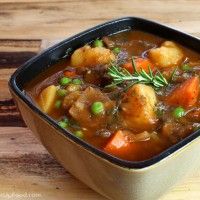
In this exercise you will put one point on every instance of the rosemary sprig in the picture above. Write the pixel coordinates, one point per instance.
(121, 75)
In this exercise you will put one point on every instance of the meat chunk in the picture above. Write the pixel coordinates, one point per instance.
(47, 98)
(176, 131)
(88, 57)
(138, 108)
(169, 54)
(70, 99)
(81, 109)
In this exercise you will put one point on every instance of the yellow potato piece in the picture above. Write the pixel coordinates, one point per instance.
(47, 98)
(88, 57)
(169, 54)
(138, 108)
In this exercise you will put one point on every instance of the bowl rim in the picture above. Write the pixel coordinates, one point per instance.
(92, 149)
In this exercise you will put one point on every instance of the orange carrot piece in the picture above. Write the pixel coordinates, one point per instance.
(119, 146)
(141, 63)
(128, 66)
(70, 74)
(186, 94)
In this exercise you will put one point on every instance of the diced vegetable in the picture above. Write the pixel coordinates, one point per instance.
(97, 108)
(186, 94)
(47, 98)
(70, 74)
(138, 108)
(90, 57)
(64, 81)
(98, 43)
(141, 63)
(169, 54)
(119, 145)
(178, 112)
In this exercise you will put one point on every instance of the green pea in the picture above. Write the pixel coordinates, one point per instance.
(116, 50)
(178, 112)
(61, 92)
(64, 81)
(79, 134)
(58, 103)
(63, 124)
(186, 67)
(97, 108)
(98, 43)
(77, 81)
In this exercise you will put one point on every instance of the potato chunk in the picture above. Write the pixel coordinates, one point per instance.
(169, 54)
(88, 57)
(138, 108)
(47, 98)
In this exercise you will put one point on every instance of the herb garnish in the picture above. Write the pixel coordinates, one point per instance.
(121, 75)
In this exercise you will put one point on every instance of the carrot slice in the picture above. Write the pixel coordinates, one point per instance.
(119, 146)
(70, 74)
(186, 94)
(141, 63)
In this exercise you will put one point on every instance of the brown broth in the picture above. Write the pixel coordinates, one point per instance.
(137, 43)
